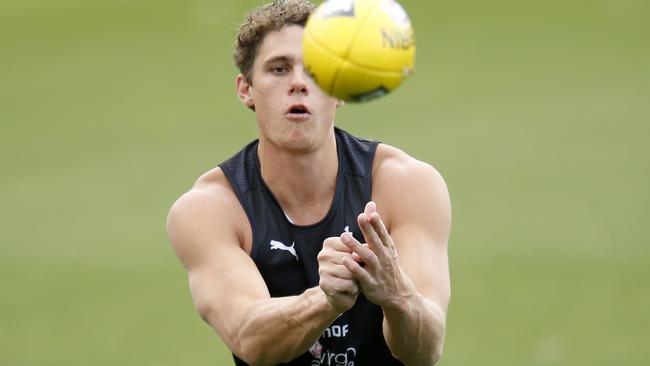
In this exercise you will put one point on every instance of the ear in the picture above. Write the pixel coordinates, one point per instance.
(339, 103)
(245, 91)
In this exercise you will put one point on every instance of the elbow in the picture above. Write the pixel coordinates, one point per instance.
(438, 346)
(248, 354)
(423, 360)
(254, 355)
(245, 341)
(247, 351)
(248, 346)
(437, 354)
(238, 342)
(256, 352)
(438, 337)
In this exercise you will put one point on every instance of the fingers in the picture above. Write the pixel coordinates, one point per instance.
(332, 252)
(372, 238)
(360, 273)
(330, 265)
(334, 243)
(379, 228)
(381, 277)
(336, 281)
(370, 208)
(333, 286)
(358, 259)
(338, 271)
(364, 253)
(376, 234)
(373, 218)
(365, 218)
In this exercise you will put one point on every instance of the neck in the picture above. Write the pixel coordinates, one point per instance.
(303, 183)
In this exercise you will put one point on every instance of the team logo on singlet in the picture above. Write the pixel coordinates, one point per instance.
(326, 357)
(316, 349)
(276, 245)
(322, 356)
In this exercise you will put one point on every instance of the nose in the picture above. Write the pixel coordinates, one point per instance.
(299, 82)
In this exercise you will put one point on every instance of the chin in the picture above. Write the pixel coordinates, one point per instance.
(297, 137)
(299, 144)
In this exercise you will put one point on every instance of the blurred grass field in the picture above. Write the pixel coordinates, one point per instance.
(536, 113)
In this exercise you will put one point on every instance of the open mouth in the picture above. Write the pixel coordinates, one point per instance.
(298, 109)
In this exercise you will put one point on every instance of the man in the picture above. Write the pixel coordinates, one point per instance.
(272, 238)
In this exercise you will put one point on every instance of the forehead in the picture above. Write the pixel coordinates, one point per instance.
(285, 42)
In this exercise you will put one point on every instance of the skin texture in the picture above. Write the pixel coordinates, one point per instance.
(406, 230)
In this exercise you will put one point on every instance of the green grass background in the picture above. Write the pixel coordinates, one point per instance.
(535, 112)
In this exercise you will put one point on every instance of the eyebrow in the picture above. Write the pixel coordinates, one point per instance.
(280, 58)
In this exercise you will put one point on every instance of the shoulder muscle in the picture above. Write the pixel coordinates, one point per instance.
(410, 187)
(209, 211)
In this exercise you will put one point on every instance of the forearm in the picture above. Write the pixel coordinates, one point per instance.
(280, 329)
(414, 330)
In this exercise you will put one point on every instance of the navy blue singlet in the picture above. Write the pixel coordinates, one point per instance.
(285, 254)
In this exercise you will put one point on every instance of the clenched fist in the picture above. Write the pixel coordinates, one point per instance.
(336, 281)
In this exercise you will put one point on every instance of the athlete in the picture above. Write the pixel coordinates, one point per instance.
(311, 246)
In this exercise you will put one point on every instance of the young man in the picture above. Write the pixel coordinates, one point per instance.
(272, 238)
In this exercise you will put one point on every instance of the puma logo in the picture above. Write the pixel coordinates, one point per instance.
(278, 245)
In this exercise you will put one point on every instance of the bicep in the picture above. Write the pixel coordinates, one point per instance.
(424, 259)
(419, 207)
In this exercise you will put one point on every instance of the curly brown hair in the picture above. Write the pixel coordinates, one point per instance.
(261, 21)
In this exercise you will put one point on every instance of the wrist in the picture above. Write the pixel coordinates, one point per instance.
(402, 301)
(317, 297)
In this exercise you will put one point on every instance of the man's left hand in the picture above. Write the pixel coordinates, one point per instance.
(381, 279)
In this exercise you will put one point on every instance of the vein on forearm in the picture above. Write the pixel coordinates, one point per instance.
(280, 329)
(414, 332)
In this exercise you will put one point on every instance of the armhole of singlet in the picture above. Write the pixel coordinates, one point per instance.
(371, 160)
(244, 204)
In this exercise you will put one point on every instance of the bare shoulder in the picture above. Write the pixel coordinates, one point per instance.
(405, 187)
(211, 194)
(393, 169)
(208, 213)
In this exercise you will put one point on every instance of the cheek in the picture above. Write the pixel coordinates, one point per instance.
(262, 100)
(268, 92)
(325, 98)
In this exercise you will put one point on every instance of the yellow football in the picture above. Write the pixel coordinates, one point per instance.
(358, 50)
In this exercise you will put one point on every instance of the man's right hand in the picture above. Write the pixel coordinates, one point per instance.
(338, 284)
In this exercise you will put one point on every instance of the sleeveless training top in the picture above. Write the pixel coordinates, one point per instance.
(285, 254)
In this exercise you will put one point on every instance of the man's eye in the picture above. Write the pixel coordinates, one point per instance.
(278, 69)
